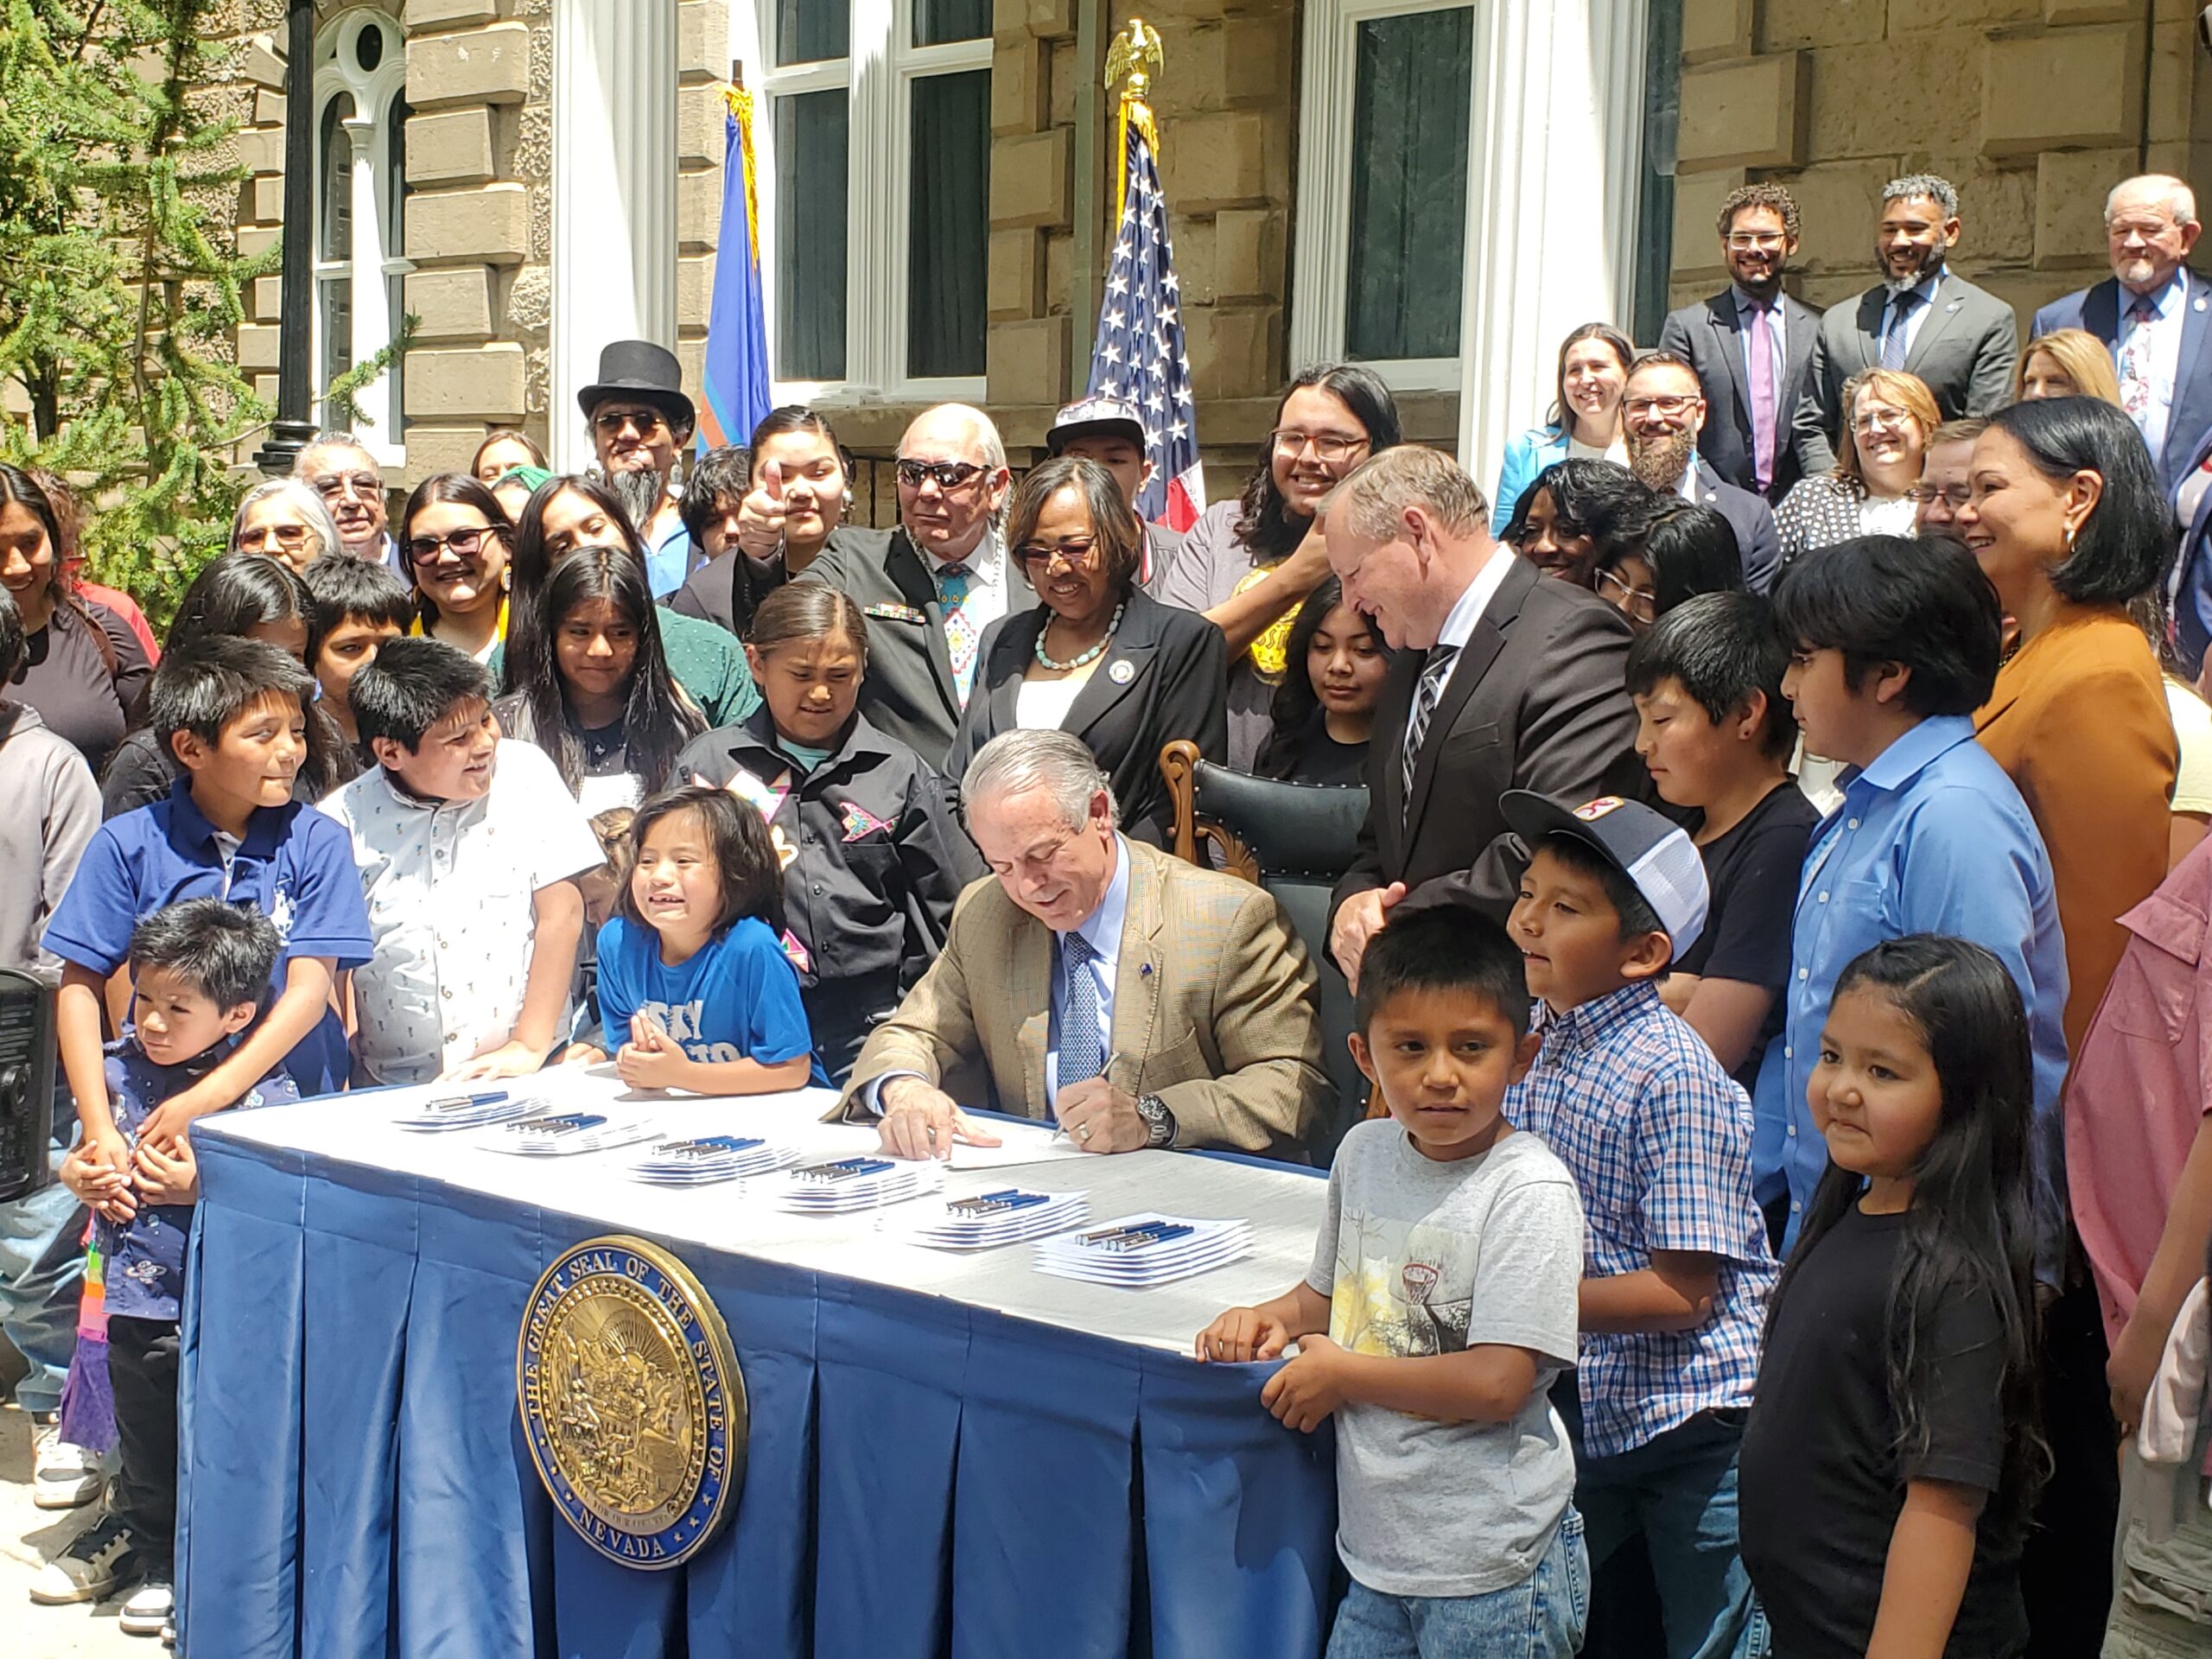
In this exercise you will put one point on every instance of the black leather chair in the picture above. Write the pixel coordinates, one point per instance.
(1295, 840)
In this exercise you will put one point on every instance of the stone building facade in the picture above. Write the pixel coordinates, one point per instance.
(1578, 170)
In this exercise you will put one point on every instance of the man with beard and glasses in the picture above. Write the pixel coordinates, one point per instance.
(1663, 409)
(338, 466)
(639, 419)
(1961, 341)
(1751, 343)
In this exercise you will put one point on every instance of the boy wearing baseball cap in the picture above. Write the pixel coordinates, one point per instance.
(1676, 1269)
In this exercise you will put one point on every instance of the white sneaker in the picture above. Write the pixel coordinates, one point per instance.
(149, 1609)
(96, 1560)
(66, 1476)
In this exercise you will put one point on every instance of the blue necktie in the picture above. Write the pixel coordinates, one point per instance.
(1083, 1044)
(1893, 340)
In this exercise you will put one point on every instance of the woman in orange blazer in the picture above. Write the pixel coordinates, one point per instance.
(2067, 523)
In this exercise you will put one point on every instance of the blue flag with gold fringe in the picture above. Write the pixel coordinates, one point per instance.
(735, 393)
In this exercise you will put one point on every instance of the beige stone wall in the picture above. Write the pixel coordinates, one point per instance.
(2033, 108)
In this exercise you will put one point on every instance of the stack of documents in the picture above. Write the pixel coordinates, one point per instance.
(1006, 1216)
(710, 1159)
(472, 1110)
(843, 1185)
(559, 1134)
(1142, 1249)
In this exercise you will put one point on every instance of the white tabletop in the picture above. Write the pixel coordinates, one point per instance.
(1283, 1205)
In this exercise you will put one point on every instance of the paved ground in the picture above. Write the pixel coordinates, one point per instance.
(28, 1536)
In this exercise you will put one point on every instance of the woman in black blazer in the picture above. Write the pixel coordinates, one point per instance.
(1096, 658)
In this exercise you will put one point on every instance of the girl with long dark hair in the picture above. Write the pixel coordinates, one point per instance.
(592, 687)
(1324, 710)
(82, 668)
(567, 514)
(457, 540)
(1892, 1454)
(254, 596)
(1246, 565)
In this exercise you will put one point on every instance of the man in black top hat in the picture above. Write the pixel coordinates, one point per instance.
(639, 419)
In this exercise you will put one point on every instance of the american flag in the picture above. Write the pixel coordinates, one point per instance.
(1139, 358)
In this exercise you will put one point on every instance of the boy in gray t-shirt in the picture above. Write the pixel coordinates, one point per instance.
(1441, 1303)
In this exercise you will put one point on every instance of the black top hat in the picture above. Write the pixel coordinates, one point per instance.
(639, 369)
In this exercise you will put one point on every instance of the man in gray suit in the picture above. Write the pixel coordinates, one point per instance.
(1961, 341)
(1662, 413)
(2156, 314)
(1750, 344)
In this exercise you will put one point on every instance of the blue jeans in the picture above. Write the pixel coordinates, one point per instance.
(41, 1270)
(1678, 1493)
(1540, 1618)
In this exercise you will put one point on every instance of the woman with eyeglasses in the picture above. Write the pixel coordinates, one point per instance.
(1586, 417)
(1686, 550)
(1892, 418)
(1248, 564)
(285, 519)
(456, 540)
(568, 514)
(1578, 515)
(1096, 658)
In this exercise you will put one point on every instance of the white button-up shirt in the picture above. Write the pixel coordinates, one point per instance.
(2163, 330)
(451, 888)
(987, 574)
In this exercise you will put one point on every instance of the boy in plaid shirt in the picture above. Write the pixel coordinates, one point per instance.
(1676, 1269)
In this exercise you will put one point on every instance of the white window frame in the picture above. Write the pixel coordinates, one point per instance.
(878, 76)
(375, 97)
(1321, 270)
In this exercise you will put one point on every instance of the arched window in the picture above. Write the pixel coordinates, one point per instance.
(360, 191)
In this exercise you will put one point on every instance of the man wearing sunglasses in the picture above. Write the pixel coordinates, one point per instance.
(337, 468)
(639, 419)
(929, 587)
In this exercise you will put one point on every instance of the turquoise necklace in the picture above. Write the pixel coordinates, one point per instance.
(1088, 657)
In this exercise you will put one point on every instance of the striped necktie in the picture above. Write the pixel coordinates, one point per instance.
(1427, 696)
(1893, 337)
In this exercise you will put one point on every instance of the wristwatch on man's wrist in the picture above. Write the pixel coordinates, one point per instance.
(1158, 1121)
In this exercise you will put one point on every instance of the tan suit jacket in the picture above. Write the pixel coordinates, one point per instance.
(2078, 719)
(1214, 1010)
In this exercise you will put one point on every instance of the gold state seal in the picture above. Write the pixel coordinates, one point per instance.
(632, 1400)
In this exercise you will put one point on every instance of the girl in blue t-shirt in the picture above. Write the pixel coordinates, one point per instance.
(689, 968)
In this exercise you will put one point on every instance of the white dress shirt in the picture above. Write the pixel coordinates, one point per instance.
(1778, 328)
(451, 887)
(1931, 292)
(1460, 625)
(2165, 329)
(1102, 932)
(987, 579)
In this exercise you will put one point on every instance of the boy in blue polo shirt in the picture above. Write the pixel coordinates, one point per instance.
(1676, 1269)
(231, 710)
(1893, 646)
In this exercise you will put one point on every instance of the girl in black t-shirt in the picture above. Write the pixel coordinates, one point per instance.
(1892, 1450)
(1324, 711)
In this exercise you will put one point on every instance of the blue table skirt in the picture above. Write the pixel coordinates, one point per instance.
(356, 1484)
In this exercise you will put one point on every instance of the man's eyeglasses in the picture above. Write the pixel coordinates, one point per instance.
(1078, 554)
(1743, 241)
(1329, 448)
(1675, 405)
(1637, 602)
(425, 549)
(1953, 495)
(367, 485)
(609, 422)
(949, 475)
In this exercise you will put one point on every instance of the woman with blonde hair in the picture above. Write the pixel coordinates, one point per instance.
(1889, 415)
(2066, 363)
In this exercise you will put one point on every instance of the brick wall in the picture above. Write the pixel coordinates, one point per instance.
(2033, 108)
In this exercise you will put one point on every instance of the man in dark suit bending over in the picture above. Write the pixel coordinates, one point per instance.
(1507, 681)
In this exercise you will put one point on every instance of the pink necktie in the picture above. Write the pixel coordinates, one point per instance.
(1762, 394)
(2135, 361)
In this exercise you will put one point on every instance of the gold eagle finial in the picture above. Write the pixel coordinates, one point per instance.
(1134, 59)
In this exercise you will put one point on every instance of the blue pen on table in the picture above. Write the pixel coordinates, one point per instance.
(1139, 1237)
(842, 1169)
(992, 1203)
(708, 1146)
(560, 1123)
(464, 1102)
